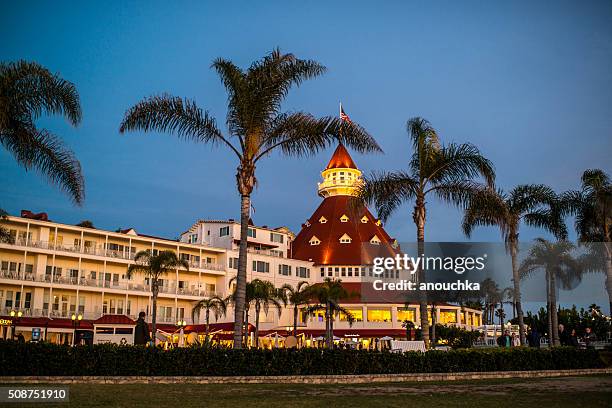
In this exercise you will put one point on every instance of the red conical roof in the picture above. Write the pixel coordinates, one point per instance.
(330, 251)
(341, 159)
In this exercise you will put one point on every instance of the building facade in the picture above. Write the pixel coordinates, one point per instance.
(51, 272)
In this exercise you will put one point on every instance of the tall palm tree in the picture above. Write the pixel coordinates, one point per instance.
(297, 296)
(256, 128)
(592, 206)
(154, 267)
(534, 205)
(249, 297)
(215, 304)
(329, 294)
(27, 90)
(444, 172)
(561, 269)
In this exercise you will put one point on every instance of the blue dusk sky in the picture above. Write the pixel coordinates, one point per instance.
(528, 82)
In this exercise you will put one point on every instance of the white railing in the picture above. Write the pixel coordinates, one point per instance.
(101, 251)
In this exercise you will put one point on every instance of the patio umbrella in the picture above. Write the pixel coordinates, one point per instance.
(387, 338)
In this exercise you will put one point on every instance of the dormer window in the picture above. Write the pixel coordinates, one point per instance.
(378, 222)
(345, 239)
(314, 240)
(364, 220)
(322, 220)
(375, 240)
(344, 218)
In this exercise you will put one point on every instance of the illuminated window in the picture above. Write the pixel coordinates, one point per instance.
(364, 219)
(379, 315)
(406, 313)
(448, 316)
(344, 218)
(375, 240)
(314, 240)
(322, 220)
(356, 313)
(378, 222)
(345, 239)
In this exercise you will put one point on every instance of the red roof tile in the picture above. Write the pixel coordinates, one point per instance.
(330, 251)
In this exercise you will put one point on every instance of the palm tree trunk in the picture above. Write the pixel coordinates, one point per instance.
(549, 310)
(155, 292)
(516, 283)
(295, 317)
(419, 219)
(245, 206)
(553, 310)
(245, 339)
(207, 323)
(327, 326)
(257, 310)
(433, 324)
(608, 249)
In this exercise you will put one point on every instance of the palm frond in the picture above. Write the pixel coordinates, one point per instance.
(166, 113)
(456, 162)
(44, 152)
(487, 207)
(31, 89)
(387, 191)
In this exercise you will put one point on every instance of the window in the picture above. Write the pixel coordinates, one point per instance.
(345, 239)
(322, 272)
(379, 315)
(261, 266)
(344, 218)
(224, 231)
(364, 220)
(322, 220)
(375, 240)
(284, 270)
(104, 330)
(252, 232)
(343, 271)
(193, 238)
(330, 271)
(124, 330)
(233, 263)
(314, 240)
(356, 313)
(303, 272)
(448, 316)
(350, 272)
(276, 252)
(406, 313)
(276, 237)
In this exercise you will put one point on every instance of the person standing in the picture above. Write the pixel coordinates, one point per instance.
(563, 336)
(516, 340)
(589, 337)
(141, 332)
(573, 339)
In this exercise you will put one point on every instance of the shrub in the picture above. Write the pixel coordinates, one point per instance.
(33, 359)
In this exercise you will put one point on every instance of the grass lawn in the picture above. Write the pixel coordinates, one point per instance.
(591, 391)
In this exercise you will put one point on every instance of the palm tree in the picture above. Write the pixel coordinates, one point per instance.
(534, 205)
(561, 269)
(264, 296)
(297, 296)
(592, 206)
(154, 267)
(216, 304)
(445, 172)
(5, 234)
(27, 90)
(257, 126)
(329, 294)
(249, 296)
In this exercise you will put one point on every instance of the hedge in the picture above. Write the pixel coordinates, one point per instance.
(31, 359)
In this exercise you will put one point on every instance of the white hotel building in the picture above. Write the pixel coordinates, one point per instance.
(50, 271)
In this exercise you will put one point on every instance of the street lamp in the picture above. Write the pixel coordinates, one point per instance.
(76, 322)
(181, 325)
(15, 316)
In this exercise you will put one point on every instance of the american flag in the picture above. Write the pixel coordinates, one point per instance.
(343, 115)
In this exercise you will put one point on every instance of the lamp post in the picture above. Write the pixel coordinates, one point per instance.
(76, 322)
(181, 325)
(15, 317)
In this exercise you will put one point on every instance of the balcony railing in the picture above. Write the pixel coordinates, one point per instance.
(265, 252)
(190, 288)
(67, 314)
(100, 251)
